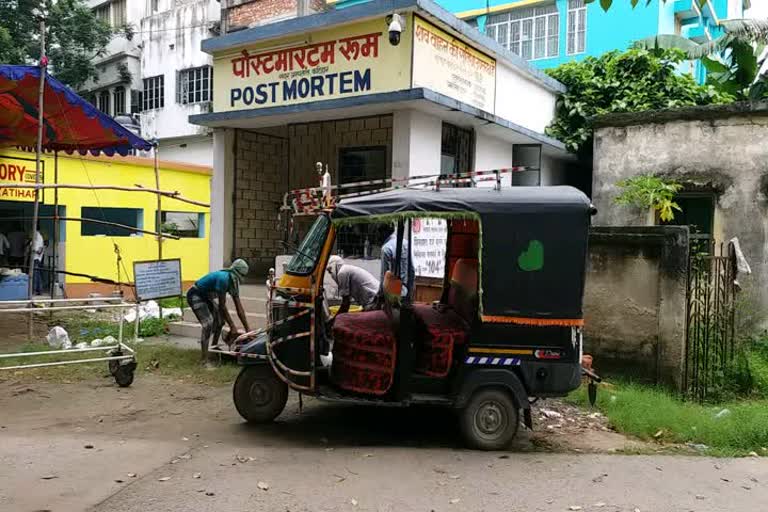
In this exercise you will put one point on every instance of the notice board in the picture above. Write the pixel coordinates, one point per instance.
(429, 238)
(157, 279)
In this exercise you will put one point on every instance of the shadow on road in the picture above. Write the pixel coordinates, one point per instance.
(337, 425)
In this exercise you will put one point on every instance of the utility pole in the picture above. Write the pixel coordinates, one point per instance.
(38, 156)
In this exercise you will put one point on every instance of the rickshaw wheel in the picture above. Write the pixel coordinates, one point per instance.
(259, 395)
(490, 420)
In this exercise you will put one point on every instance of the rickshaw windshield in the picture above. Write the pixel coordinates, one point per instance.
(305, 259)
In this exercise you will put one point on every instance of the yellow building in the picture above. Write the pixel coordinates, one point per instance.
(89, 247)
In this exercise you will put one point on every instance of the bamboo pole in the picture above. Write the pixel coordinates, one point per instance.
(38, 157)
(159, 215)
(102, 222)
(56, 225)
(172, 195)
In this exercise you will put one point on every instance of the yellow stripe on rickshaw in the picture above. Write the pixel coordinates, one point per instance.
(509, 351)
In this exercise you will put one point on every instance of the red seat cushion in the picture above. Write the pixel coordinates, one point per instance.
(364, 352)
(441, 330)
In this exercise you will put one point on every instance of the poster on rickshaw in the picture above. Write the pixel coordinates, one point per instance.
(429, 238)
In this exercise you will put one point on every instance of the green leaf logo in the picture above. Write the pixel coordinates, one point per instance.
(532, 258)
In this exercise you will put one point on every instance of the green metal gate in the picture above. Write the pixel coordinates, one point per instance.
(711, 314)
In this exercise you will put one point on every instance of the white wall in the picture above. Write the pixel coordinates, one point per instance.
(523, 101)
(195, 150)
(171, 40)
(416, 141)
(553, 171)
(222, 192)
(491, 153)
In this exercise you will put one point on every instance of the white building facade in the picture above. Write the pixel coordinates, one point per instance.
(155, 71)
(333, 88)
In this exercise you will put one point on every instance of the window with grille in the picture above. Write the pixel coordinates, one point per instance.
(104, 102)
(102, 12)
(577, 27)
(183, 224)
(154, 93)
(532, 33)
(194, 85)
(119, 16)
(118, 101)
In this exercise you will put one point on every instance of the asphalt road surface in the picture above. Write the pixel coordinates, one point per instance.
(166, 446)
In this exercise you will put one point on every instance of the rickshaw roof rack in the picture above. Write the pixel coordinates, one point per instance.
(313, 201)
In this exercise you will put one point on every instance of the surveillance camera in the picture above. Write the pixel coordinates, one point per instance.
(395, 29)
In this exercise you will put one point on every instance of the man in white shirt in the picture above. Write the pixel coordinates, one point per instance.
(354, 283)
(5, 246)
(38, 248)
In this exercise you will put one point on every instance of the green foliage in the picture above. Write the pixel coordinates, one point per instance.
(645, 411)
(647, 191)
(74, 37)
(631, 81)
(733, 61)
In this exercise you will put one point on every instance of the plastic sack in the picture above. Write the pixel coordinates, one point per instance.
(109, 340)
(82, 345)
(58, 338)
(97, 342)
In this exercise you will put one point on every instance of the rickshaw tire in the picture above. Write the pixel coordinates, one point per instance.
(259, 383)
(490, 419)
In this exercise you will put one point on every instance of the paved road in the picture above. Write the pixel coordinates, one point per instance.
(327, 459)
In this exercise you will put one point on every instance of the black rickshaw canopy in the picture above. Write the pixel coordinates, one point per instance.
(534, 243)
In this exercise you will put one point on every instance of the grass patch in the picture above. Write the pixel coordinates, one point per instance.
(173, 302)
(644, 411)
(153, 358)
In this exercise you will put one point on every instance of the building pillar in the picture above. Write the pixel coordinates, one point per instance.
(222, 199)
(416, 144)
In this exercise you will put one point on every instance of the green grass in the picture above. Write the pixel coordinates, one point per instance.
(173, 302)
(644, 411)
(758, 367)
(153, 358)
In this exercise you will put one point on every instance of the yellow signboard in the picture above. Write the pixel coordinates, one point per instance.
(337, 63)
(18, 171)
(448, 66)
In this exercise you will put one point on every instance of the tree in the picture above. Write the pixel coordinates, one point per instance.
(631, 81)
(648, 191)
(733, 61)
(74, 37)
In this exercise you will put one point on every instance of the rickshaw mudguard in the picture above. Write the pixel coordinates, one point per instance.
(492, 378)
(255, 351)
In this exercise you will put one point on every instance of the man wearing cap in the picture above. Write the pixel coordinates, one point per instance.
(354, 283)
(208, 300)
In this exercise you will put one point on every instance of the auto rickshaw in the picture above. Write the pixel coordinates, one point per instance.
(506, 330)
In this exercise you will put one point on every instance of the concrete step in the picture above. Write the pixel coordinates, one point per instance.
(185, 329)
(255, 319)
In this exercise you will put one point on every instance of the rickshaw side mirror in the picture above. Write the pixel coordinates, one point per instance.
(592, 210)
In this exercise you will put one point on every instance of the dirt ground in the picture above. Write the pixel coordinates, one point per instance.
(164, 445)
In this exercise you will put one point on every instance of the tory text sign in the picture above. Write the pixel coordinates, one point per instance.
(18, 171)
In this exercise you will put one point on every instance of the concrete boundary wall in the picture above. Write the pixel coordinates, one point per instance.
(635, 301)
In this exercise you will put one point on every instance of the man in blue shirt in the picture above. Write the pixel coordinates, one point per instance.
(388, 252)
(208, 300)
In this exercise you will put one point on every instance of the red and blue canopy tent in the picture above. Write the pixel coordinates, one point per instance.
(69, 123)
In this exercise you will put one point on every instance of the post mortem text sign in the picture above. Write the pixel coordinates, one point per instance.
(157, 279)
(342, 62)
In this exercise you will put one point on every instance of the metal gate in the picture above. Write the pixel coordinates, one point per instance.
(711, 314)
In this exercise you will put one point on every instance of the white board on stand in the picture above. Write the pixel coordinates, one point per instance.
(157, 279)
